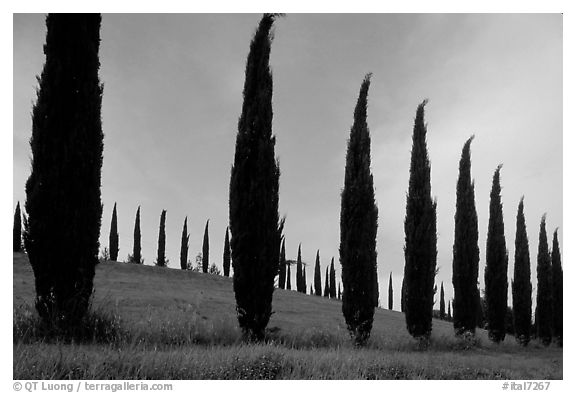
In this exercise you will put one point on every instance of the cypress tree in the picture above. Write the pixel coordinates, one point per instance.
(254, 222)
(390, 293)
(282, 267)
(466, 254)
(25, 231)
(299, 287)
(137, 250)
(521, 285)
(311, 290)
(303, 278)
(449, 312)
(403, 296)
(17, 230)
(358, 227)
(496, 271)
(205, 249)
(226, 255)
(556, 291)
(420, 231)
(332, 280)
(113, 239)
(442, 304)
(317, 279)
(161, 259)
(63, 191)
(184, 245)
(288, 284)
(543, 293)
(339, 292)
(327, 284)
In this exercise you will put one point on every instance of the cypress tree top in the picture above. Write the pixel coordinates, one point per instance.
(317, 278)
(184, 246)
(113, 238)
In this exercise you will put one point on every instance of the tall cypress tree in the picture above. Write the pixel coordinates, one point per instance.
(113, 241)
(161, 258)
(449, 312)
(226, 255)
(205, 249)
(420, 231)
(543, 317)
(332, 280)
(184, 246)
(466, 254)
(556, 291)
(403, 296)
(442, 304)
(327, 284)
(282, 267)
(496, 271)
(63, 191)
(288, 284)
(521, 285)
(17, 230)
(390, 293)
(137, 250)
(339, 292)
(317, 278)
(254, 222)
(358, 227)
(299, 270)
(303, 278)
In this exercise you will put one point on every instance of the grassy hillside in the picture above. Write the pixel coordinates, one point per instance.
(176, 318)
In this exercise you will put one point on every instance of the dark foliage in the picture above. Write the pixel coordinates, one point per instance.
(184, 244)
(521, 286)
(327, 284)
(63, 191)
(556, 291)
(113, 241)
(161, 258)
(254, 222)
(288, 274)
(17, 230)
(543, 314)
(137, 249)
(205, 250)
(339, 292)
(442, 304)
(299, 286)
(317, 276)
(304, 278)
(226, 255)
(390, 294)
(403, 296)
(332, 280)
(358, 227)
(282, 267)
(449, 312)
(420, 231)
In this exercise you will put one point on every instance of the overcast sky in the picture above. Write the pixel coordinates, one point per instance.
(173, 95)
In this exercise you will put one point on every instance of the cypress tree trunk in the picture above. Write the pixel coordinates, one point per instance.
(390, 294)
(332, 280)
(205, 250)
(327, 284)
(556, 291)
(521, 286)
(113, 239)
(496, 272)
(317, 279)
(288, 284)
(63, 190)
(184, 246)
(420, 230)
(543, 293)
(226, 255)
(299, 286)
(358, 227)
(282, 267)
(442, 304)
(17, 230)
(466, 254)
(137, 250)
(161, 258)
(254, 222)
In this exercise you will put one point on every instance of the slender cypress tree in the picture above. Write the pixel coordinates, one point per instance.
(311, 290)
(449, 312)
(317, 278)
(282, 267)
(299, 287)
(137, 250)
(226, 255)
(63, 191)
(184, 246)
(521, 285)
(17, 230)
(403, 296)
(332, 280)
(496, 271)
(442, 304)
(303, 278)
(205, 250)
(339, 292)
(466, 254)
(327, 284)
(556, 291)
(161, 258)
(420, 231)
(543, 293)
(358, 227)
(113, 241)
(254, 222)
(25, 231)
(390, 293)
(288, 284)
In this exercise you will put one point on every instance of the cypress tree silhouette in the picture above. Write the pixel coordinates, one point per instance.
(25, 231)
(63, 191)
(358, 227)
(390, 293)
(442, 304)
(205, 250)
(449, 312)
(288, 284)
(496, 271)
(556, 291)
(226, 255)
(317, 279)
(403, 296)
(299, 286)
(543, 315)
(254, 222)
(137, 250)
(113, 241)
(161, 258)
(339, 292)
(466, 254)
(521, 285)
(311, 290)
(17, 230)
(282, 267)
(184, 242)
(327, 284)
(332, 280)
(420, 231)
(303, 278)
